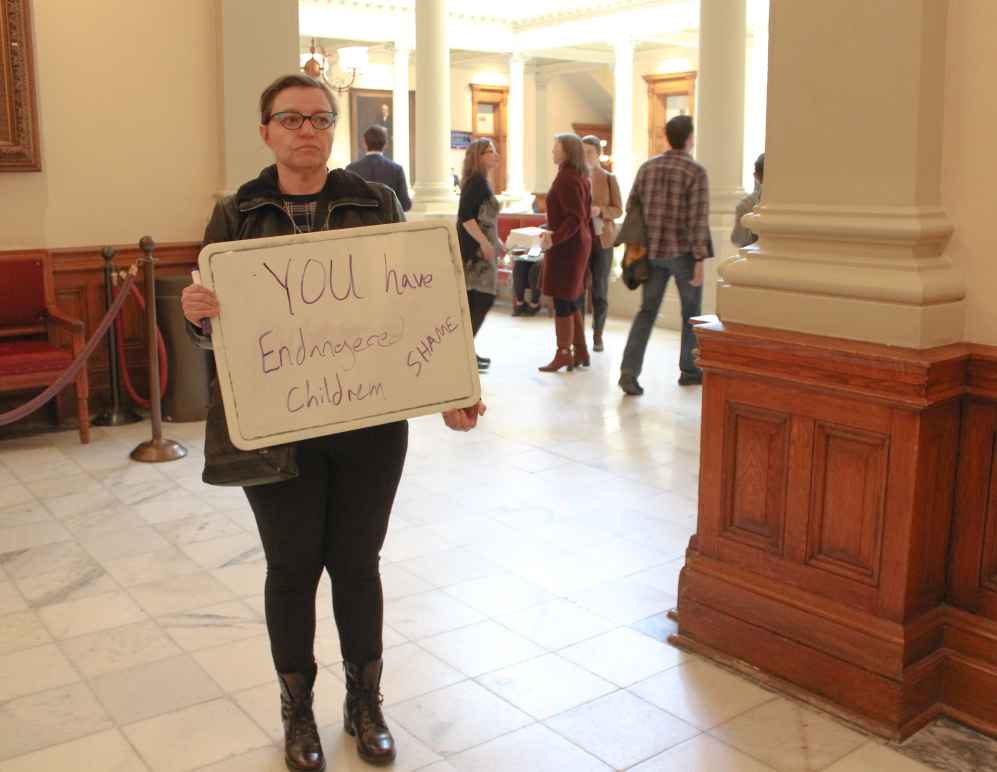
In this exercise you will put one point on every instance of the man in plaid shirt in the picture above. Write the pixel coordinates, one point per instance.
(674, 194)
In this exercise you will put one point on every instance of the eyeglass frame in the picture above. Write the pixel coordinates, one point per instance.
(309, 118)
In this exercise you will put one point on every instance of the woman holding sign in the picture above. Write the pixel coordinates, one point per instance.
(477, 232)
(566, 246)
(329, 510)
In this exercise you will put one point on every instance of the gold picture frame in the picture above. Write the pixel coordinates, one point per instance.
(19, 146)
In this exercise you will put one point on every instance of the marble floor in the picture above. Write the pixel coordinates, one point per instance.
(527, 571)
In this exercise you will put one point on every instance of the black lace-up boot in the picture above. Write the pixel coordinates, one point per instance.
(362, 716)
(302, 747)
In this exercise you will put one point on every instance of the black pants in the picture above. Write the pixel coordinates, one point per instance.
(600, 262)
(526, 273)
(332, 517)
(479, 303)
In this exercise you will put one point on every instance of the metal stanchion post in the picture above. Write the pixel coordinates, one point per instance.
(116, 415)
(156, 449)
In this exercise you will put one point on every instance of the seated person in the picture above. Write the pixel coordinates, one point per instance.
(526, 273)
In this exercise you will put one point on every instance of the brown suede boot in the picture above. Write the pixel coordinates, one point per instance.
(581, 350)
(302, 747)
(565, 329)
(362, 716)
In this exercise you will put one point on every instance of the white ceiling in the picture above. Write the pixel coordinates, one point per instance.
(515, 12)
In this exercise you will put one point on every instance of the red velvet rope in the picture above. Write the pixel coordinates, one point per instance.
(78, 364)
(119, 324)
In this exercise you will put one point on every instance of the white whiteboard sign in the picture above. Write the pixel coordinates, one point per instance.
(326, 332)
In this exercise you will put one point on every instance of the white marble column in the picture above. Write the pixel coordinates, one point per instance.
(852, 234)
(516, 144)
(399, 108)
(259, 41)
(434, 191)
(544, 169)
(623, 113)
(719, 118)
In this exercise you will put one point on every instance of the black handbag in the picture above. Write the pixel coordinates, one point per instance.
(225, 464)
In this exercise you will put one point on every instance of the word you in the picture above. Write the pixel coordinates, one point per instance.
(306, 282)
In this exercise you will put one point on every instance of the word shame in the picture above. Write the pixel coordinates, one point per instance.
(427, 345)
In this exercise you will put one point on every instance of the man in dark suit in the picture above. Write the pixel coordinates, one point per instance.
(374, 167)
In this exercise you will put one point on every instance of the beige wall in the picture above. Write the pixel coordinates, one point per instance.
(970, 159)
(139, 155)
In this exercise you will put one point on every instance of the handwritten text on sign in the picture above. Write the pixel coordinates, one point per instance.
(327, 332)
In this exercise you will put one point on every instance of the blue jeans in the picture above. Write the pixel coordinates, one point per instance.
(654, 292)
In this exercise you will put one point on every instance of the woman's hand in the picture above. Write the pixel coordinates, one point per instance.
(596, 211)
(488, 251)
(464, 419)
(198, 303)
(546, 241)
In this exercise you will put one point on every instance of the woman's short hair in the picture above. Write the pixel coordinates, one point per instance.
(574, 153)
(293, 80)
(472, 159)
(677, 131)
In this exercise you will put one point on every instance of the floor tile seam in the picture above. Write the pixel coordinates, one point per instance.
(149, 620)
(773, 697)
(541, 719)
(622, 687)
(766, 767)
(542, 725)
(7, 579)
(102, 594)
(226, 697)
(513, 611)
(606, 761)
(567, 646)
(115, 728)
(749, 754)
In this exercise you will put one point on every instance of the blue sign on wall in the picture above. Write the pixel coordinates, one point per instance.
(459, 140)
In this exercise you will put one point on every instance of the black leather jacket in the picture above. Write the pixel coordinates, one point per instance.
(257, 211)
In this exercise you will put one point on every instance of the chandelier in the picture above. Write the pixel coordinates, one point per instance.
(351, 59)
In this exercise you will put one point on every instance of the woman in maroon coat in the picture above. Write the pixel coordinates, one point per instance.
(567, 244)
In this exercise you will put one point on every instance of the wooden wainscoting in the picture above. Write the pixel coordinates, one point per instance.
(823, 554)
(79, 291)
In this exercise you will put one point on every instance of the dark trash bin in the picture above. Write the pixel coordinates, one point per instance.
(188, 388)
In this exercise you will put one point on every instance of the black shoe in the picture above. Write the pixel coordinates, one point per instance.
(302, 747)
(519, 310)
(362, 715)
(630, 386)
(690, 379)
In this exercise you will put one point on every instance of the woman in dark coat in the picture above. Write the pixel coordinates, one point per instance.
(567, 244)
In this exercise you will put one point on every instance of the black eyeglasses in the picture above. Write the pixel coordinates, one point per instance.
(294, 121)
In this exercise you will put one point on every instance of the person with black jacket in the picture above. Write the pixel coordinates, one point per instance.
(333, 515)
(376, 167)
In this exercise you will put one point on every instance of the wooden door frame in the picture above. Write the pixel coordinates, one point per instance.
(498, 96)
(602, 131)
(672, 84)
